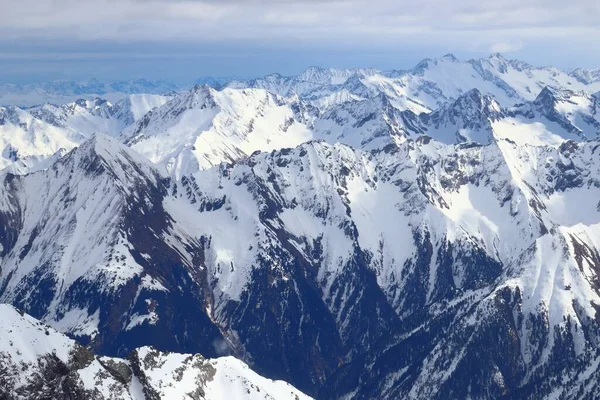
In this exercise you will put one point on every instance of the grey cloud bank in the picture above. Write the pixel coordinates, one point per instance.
(190, 38)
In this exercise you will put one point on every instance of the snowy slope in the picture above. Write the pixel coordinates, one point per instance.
(58, 367)
(204, 127)
(361, 107)
(560, 114)
(468, 119)
(221, 378)
(30, 138)
(85, 228)
(586, 76)
(553, 117)
(22, 136)
(478, 209)
(309, 80)
(98, 115)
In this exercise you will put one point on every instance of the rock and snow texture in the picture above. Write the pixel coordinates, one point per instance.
(330, 230)
(299, 250)
(29, 138)
(205, 127)
(36, 361)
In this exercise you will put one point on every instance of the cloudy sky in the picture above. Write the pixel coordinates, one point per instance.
(181, 40)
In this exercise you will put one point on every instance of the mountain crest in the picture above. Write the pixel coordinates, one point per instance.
(450, 57)
(101, 153)
(547, 98)
(469, 107)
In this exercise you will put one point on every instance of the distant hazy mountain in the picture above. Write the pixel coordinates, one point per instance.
(59, 92)
(432, 82)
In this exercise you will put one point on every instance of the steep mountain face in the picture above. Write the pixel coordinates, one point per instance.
(59, 368)
(99, 115)
(92, 230)
(31, 138)
(510, 330)
(205, 127)
(303, 84)
(83, 116)
(586, 76)
(523, 81)
(468, 119)
(364, 124)
(135, 106)
(566, 114)
(361, 107)
(291, 261)
(457, 275)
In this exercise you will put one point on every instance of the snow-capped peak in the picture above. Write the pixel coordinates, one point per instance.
(469, 118)
(473, 104)
(586, 76)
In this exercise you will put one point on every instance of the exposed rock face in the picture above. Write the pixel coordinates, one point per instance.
(420, 270)
(38, 362)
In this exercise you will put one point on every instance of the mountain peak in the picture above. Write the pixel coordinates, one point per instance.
(101, 151)
(314, 69)
(547, 98)
(450, 57)
(421, 66)
(201, 88)
(497, 56)
(467, 119)
(27, 343)
(551, 95)
(200, 95)
(314, 73)
(475, 100)
(586, 76)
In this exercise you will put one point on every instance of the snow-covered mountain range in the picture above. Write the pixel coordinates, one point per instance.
(29, 138)
(196, 129)
(432, 233)
(432, 82)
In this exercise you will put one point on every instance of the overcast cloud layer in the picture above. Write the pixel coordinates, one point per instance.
(180, 39)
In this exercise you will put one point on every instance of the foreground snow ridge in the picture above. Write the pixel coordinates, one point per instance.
(37, 361)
